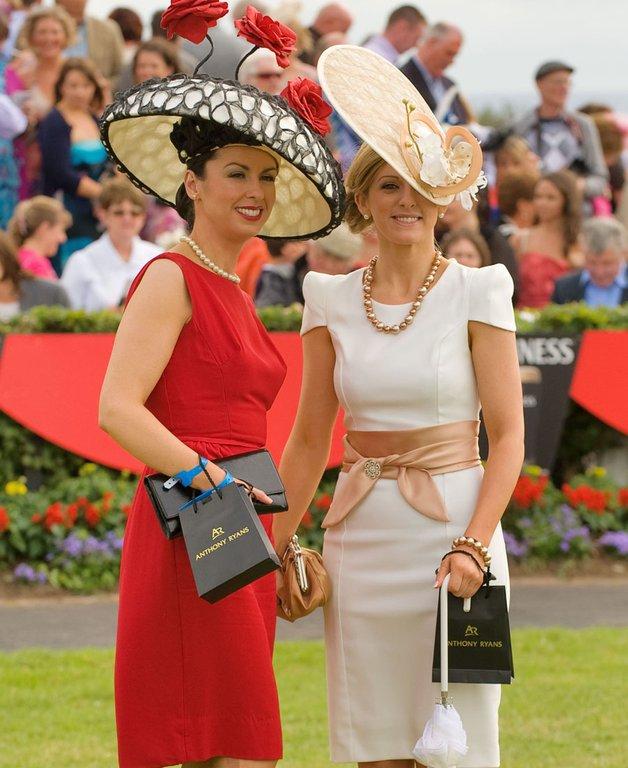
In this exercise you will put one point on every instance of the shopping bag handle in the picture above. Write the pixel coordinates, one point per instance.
(444, 637)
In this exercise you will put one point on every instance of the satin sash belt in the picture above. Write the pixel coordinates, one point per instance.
(412, 457)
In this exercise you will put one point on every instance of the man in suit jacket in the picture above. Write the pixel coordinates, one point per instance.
(97, 39)
(426, 71)
(604, 280)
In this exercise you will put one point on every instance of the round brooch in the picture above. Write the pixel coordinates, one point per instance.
(372, 469)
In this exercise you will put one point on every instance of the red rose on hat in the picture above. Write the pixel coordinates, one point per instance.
(192, 18)
(264, 32)
(306, 97)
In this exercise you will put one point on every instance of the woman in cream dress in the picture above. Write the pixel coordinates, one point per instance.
(409, 347)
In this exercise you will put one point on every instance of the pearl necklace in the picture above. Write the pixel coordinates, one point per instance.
(416, 304)
(208, 262)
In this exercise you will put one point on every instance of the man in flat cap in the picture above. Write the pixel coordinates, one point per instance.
(563, 139)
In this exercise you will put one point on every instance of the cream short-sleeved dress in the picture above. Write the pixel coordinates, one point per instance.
(380, 622)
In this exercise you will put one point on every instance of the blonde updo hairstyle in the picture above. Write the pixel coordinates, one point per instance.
(360, 176)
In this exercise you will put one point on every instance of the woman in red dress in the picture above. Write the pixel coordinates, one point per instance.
(193, 371)
(549, 249)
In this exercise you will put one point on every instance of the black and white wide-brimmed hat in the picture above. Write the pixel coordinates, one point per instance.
(136, 131)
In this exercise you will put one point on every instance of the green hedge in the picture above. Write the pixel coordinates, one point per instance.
(565, 318)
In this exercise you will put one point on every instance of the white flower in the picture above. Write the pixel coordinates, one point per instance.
(433, 163)
(460, 157)
(468, 195)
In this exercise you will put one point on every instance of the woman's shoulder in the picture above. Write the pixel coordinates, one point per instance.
(317, 285)
(493, 276)
(323, 294)
(490, 296)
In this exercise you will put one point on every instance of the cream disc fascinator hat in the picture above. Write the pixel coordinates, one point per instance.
(141, 131)
(388, 113)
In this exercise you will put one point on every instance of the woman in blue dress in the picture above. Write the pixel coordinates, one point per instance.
(73, 157)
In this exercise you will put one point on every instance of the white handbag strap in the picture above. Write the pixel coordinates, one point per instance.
(444, 637)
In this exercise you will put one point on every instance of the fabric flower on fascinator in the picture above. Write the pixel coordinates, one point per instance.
(192, 18)
(263, 32)
(306, 98)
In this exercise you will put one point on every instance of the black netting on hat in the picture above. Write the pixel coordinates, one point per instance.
(136, 130)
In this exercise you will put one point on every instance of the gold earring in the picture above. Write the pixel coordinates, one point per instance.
(441, 215)
(366, 216)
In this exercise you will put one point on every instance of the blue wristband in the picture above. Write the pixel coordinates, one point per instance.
(227, 480)
(186, 476)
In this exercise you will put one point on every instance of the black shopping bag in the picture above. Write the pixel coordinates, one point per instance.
(480, 649)
(226, 543)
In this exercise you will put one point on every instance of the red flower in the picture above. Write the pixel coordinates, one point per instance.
(306, 98)
(54, 515)
(192, 18)
(72, 514)
(323, 502)
(5, 520)
(306, 521)
(264, 32)
(585, 496)
(36, 518)
(92, 516)
(529, 491)
(126, 508)
(622, 497)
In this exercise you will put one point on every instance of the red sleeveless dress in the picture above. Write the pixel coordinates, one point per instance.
(194, 680)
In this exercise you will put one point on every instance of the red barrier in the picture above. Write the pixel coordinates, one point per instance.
(600, 381)
(50, 384)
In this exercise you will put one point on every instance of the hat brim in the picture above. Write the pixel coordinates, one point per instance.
(136, 129)
(369, 94)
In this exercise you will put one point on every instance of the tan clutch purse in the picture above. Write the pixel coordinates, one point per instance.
(306, 585)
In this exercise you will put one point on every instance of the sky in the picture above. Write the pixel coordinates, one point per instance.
(505, 40)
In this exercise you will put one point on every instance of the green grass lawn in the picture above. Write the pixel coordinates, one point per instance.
(567, 708)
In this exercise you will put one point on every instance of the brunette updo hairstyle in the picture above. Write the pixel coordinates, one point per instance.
(196, 141)
(360, 176)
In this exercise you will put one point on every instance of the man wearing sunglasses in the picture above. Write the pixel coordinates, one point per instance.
(262, 71)
(98, 276)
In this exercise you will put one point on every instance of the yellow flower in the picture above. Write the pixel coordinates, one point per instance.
(87, 469)
(597, 472)
(15, 488)
(534, 471)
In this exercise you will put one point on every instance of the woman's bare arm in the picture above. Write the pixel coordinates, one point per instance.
(494, 354)
(88, 188)
(148, 332)
(305, 456)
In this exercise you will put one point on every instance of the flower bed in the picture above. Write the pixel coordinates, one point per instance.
(585, 517)
(70, 536)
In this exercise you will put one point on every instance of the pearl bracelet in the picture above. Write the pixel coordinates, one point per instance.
(469, 541)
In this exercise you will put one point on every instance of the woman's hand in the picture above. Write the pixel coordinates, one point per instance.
(256, 494)
(466, 576)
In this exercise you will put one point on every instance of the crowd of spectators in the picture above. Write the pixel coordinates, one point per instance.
(74, 232)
